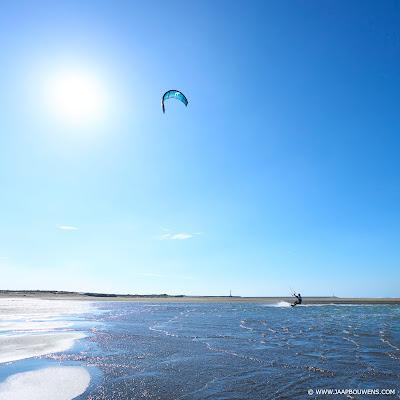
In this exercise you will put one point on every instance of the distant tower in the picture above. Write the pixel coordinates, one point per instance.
(230, 293)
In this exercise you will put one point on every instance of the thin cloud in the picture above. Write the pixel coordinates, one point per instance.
(178, 236)
(67, 228)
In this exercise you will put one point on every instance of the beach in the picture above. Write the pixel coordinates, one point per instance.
(64, 346)
(31, 329)
(58, 295)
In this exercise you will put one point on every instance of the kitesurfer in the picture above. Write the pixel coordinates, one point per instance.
(298, 300)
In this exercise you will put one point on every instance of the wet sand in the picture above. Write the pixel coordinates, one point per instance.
(20, 347)
(55, 383)
(36, 327)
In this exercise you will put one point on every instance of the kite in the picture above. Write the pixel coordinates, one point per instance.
(173, 94)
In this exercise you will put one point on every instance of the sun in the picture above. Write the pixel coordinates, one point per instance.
(76, 97)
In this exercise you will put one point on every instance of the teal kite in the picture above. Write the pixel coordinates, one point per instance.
(173, 94)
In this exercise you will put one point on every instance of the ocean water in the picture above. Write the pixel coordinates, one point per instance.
(232, 351)
(242, 351)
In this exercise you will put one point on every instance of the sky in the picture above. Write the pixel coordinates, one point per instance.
(283, 173)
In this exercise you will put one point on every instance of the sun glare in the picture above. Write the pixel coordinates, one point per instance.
(76, 97)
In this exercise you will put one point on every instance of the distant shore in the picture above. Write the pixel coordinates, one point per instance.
(62, 295)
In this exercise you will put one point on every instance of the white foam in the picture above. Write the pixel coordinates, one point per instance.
(280, 304)
(58, 383)
(19, 347)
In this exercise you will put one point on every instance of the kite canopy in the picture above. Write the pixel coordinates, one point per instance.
(173, 94)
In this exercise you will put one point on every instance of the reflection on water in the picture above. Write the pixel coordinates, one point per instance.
(241, 351)
(206, 351)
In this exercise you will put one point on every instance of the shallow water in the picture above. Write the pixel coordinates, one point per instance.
(243, 351)
(231, 351)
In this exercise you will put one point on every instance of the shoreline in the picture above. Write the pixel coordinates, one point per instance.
(32, 330)
(61, 295)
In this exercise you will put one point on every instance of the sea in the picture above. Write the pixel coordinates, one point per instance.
(232, 351)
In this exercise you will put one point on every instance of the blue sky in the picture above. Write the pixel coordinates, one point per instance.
(283, 172)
